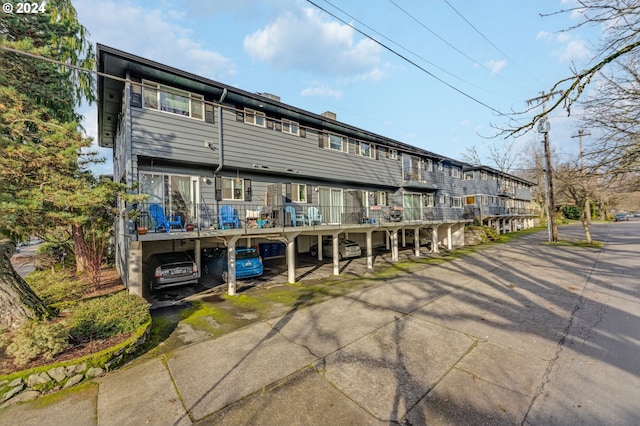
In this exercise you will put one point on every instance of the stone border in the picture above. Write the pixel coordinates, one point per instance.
(29, 384)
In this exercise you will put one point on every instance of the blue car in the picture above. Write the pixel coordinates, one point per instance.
(248, 263)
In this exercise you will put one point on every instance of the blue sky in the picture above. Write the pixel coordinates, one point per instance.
(505, 54)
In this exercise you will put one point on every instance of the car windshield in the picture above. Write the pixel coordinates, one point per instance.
(174, 257)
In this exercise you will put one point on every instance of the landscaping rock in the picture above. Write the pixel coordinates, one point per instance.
(12, 392)
(27, 395)
(15, 382)
(74, 380)
(93, 372)
(58, 373)
(38, 379)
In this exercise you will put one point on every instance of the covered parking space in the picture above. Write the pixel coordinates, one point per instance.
(372, 234)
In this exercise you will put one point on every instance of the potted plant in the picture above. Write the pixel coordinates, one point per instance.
(142, 230)
(190, 227)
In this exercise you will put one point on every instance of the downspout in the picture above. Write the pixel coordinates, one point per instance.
(221, 144)
(220, 156)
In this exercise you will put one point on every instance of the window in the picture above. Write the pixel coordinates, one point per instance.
(468, 175)
(440, 166)
(410, 168)
(291, 127)
(299, 192)
(366, 150)
(393, 154)
(172, 100)
(232, 189)
(441, 199)
(485, 200)
(429, 200)
(455, 172)
(483, 175)
(336, 142)
(427, 165)
(382, 198)
(469, 201)
(456, 202)
(255, 117)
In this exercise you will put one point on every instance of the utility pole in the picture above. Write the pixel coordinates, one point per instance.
(587, 204)
(543, 127)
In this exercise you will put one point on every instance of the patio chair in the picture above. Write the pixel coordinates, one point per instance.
(296, 217)
(162, 221)
(228, 217)
(314, 216)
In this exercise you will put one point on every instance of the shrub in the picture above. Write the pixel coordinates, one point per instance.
(38, 339)
(50, 255)
(55, 287)
(107, 316)
(491, 233)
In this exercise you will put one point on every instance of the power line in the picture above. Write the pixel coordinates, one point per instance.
(409, 61)
(439, 37)
(400, 46)
(489, 41)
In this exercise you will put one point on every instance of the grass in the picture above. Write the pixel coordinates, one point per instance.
(582, 243)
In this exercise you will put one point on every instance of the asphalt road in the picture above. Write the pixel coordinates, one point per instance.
(595, 374)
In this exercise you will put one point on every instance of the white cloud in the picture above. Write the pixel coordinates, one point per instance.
(544, 35)
(157, 34)
(307, 41)
(321, 90)
(495, 66)
(574, 50)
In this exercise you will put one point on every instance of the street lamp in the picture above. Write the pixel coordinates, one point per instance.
(543, 127)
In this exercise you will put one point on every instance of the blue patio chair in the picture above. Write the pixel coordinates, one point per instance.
(162, 221)
(315, 218)
(228, 218)
(295, 217)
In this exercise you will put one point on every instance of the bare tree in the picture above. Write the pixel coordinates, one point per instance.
(620, 22)
(501, 155)
(614, 110)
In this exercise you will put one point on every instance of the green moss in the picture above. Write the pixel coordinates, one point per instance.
(245, 302)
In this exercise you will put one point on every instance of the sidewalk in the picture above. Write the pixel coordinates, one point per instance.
(469, 341)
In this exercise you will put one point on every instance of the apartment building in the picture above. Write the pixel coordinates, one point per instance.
(222, 167)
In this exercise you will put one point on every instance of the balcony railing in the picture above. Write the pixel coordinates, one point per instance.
(154, 218)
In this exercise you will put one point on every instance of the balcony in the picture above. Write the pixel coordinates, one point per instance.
(172, 222)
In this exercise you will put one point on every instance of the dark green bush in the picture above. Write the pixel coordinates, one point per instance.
(571, 212)
(107, 316)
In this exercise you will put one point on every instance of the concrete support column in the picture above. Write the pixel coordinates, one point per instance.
(136, 281)
(198, 256)
(449, 239)
(404, 238)
(291, 260)
(497, 225)
(231, 266)
(369, 251)
(336, 255)
(416, 241)
(394, 245)
(434, 238)
(319, 242)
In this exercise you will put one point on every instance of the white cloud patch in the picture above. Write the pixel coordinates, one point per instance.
(575, 50)
(307, 41)
(495, 66)
(320, 90)
(157, 34)
(544, 35)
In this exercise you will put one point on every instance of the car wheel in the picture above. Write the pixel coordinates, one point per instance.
(313, 251)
